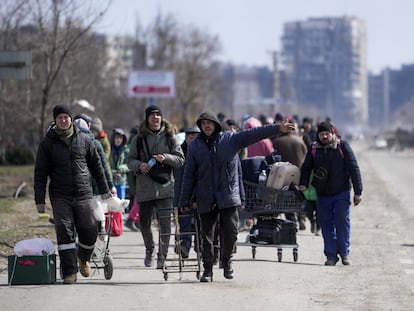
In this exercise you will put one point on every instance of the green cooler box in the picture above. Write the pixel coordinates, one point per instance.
(32, 270)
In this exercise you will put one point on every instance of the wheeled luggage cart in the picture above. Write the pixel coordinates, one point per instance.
(175, 263)
(265, 205)
(101, 258)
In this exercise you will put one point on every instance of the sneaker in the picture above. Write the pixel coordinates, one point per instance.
(129, 223)
(207, 276)
(345, 260)
(227, 270)
(84, 268)
(70, 279)
(149, 258)
(331, 262)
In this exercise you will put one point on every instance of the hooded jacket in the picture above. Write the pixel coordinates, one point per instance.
(212, 165)
(163, 141)
(118, 158)
(70, 168)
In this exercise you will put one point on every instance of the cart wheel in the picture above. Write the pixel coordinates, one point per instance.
(295, 254)
(165, 276)
(109, 267)
(279, 254)
(253, 252)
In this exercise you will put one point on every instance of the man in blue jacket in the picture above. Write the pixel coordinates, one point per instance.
(212, 173)
(337, 159)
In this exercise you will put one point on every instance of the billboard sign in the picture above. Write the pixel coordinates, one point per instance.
(153, 84)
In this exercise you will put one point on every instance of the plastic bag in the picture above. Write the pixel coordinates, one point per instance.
(98, 208)
(34, 247)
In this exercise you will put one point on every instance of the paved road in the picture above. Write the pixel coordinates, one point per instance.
(381, 275)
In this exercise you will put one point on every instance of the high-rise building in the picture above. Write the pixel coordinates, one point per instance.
(389, 92)
(323, 64)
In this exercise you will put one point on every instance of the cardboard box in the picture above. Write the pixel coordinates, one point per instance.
(32, 270)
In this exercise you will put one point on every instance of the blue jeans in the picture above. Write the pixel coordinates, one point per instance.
(121, 191)
(334, 218)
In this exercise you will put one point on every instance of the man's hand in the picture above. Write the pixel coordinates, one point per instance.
(357, 199)
(40, 208)
(302, 188)
(286, 127)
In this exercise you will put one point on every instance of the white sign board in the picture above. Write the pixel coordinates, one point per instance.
(146, 83)
(16, 65)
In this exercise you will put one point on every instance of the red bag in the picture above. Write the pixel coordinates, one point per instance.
(116, 229)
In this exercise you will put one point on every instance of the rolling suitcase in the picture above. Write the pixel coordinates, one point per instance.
(283, 174)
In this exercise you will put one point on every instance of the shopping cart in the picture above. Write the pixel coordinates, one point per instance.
(101, 258)
(265, 205)
(175, 263)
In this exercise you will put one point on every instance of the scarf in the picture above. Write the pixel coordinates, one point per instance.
(65, 135)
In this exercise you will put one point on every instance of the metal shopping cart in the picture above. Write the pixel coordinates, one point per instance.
(265, 205)
(176, 263)
(101, 258)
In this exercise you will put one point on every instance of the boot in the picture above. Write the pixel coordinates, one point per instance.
(227, 269)
(149, 258)
(207, 274)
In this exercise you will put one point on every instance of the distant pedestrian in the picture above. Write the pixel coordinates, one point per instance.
(334, 168)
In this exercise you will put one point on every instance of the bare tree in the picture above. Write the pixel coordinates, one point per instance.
(191, 53)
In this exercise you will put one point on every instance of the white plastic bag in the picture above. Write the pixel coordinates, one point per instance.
(34, 247)
(99, 208)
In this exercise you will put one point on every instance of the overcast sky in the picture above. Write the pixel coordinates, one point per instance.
(250, 29)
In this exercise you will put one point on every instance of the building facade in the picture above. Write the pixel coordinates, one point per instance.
(323, 64)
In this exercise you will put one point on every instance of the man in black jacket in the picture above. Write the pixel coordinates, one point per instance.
(337, 161)
(69, 159)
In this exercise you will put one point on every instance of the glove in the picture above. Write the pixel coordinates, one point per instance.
(40, 208)
(106, 196)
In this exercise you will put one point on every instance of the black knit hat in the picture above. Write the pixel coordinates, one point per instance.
(152, 109)
(326, 126)
(58, 109)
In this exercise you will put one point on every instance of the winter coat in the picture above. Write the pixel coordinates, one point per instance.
(260, 148)
(163, 142)
(342, 166)
(213, 166)
(118, 158)
(291, 148)
(70, 168)
(102, 156)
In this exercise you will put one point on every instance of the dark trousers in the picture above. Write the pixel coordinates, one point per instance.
(229, 219)
(163, 209)
(74, 218)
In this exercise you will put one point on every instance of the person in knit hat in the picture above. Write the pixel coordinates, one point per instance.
(336, 160)
(101, 136)
(67, 160)
(212, 176)
(156, 140)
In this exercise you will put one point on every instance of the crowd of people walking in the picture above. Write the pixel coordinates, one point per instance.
(203, 173)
